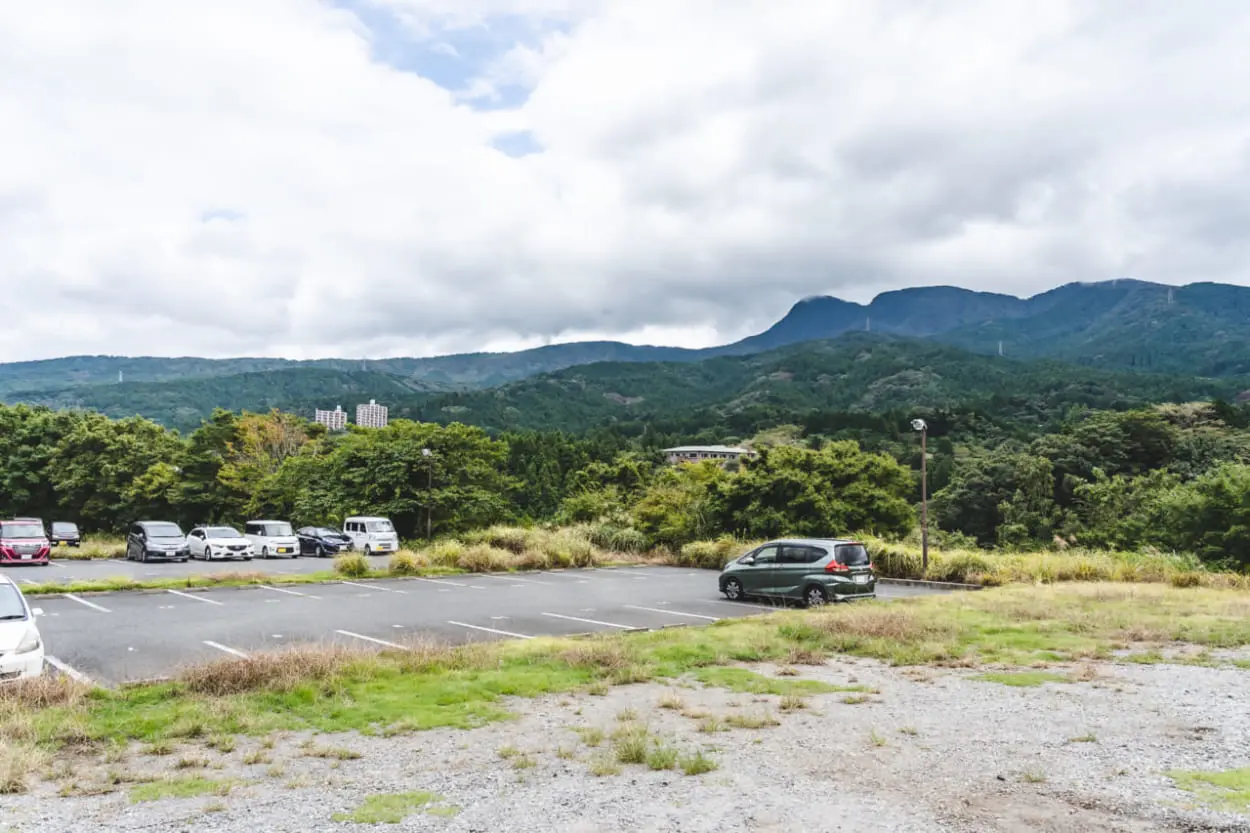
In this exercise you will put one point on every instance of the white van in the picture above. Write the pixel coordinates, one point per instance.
(371, 534)
(270, 538)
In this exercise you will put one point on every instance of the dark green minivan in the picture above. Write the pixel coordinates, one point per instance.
(811, 571)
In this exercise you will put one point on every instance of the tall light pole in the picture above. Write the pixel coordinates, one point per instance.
(923, 428)
(429, 493)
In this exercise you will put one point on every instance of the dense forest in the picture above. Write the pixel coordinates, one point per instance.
(1173, 476)
(862, 373)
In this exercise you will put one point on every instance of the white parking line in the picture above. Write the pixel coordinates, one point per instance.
(91, 605)
(674, 612)
(220, 647)
(371, 639)
(55, 564)
(289, 592)
(439, 581)
(72, 673)
(196, 598)
(489, 630)
(592, 621)
(745, 604)
(373, 587)
(515, 579)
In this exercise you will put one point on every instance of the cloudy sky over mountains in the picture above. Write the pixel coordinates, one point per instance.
(385, 177)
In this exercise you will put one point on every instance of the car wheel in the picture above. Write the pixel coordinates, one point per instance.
(815, 596)
(264, 552)
(321, 551)
(733, 590)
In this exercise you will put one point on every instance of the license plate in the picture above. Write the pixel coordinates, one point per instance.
(27, 556)
(61, 543)
(284, 549)
(861, 579)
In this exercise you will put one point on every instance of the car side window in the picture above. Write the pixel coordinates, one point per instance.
(813, 554)
(766, 555)
(792, 555)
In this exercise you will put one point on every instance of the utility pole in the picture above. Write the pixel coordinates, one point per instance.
(429, 494)
(923, 428)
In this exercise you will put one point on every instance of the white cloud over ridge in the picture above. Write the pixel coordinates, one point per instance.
(249, 177)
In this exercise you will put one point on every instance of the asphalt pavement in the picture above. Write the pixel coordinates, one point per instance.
(66, 570)
(118, 637)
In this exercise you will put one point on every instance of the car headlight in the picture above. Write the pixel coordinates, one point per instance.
(30, 642)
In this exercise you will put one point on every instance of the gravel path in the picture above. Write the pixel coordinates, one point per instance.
(934, 750)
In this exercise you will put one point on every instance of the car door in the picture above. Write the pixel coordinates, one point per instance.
(353, 531)
(757, 577)
(793, 564)
(195, 542)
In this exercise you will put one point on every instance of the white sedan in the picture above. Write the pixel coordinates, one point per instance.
(213, 542)
(21, 647)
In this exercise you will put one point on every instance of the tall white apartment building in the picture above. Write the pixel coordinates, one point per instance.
(335, 420)
(372, 415)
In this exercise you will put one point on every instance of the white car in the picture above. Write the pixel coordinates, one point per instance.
(371, 534)
(21, 647)
(212, 542)
(270, 538)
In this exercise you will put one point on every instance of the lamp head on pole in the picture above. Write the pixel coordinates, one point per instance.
(425, 452)
(919, 425)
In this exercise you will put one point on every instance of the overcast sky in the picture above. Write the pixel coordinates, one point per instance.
(408, 177)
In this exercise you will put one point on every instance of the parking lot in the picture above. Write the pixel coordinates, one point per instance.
(117, 637)
(65, 570)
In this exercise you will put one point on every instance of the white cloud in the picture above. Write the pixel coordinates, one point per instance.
(246, 177)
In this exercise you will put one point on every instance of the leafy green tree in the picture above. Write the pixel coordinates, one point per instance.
(677, 507)
(989, 489)
(1122, 512)
(1210, 517)
(838, 490)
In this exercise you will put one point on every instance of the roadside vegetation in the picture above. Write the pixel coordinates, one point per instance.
(1003, 631)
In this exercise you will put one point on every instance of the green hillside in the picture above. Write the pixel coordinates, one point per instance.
(856, 372)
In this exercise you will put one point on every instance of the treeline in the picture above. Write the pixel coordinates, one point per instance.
(1171, 477)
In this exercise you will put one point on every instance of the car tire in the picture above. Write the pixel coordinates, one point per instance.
(264, 552)
(733, 590)
(815, 596)
(368, 551)
(321, 551)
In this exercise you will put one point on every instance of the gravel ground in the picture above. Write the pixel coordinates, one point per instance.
(933, 750)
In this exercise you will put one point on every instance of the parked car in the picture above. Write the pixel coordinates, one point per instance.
(152, 540)
(322, 541)
(22, 541)
(371, 534)
(812, 571)
(21, 647)
(210, 542)
(65, 534)
(270, 538)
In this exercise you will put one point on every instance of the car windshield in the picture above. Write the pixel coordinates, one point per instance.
(164, 531)
(278, 529)
(852, 555)
(11, 606)
(221, 532)
(21, 529)
(64, 529)
(324, 531)
(379, 526)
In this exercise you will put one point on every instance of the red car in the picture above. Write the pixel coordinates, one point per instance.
(23, 542)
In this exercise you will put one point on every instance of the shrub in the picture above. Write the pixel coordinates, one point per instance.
(351, 564)
(617, 538)
(710, 555)
(445, 553)
(484, 558)
(407, 563)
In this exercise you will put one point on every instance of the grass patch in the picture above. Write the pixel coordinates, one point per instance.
(661, 757)
(1088, 737)
(603, 765)
(697, 764)
(1227, 790)
(792, 702)
(630, 747)
(876, 739)
(190, 786)
(1021, 679)
(336, 753)
(590, 735)
(752, 720)
(855, 699)
(744, 681)
(1033, 776)
(389, 808)
(672, 701)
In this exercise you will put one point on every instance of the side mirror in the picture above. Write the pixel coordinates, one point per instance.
(36, 611)
(750, 559)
